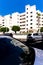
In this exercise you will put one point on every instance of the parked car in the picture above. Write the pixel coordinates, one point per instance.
(34, 37)
(13, 52)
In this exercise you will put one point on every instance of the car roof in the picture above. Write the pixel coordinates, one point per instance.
(18, 43)
(3, 36)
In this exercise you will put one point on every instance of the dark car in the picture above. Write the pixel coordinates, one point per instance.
(13, 52)
(30, 39)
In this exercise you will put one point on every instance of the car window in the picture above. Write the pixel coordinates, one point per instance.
(35, 34)
(29, 34)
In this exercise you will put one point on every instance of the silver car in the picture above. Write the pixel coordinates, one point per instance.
(36, 36)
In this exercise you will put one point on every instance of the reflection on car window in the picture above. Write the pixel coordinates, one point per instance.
(14, 41)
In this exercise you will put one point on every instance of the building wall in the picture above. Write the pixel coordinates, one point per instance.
(30, 17)
(27, 20)
(15, 18)
(22, 21)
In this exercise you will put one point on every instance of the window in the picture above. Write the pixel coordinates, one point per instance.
(36, 16)
(31, 27)
(31, 12)
(27, 20)
(3, 25)
(27, 28)
(22, 25)
(31, 19)
(27, 24)
(31, 16)
(22, 15)
(42, 18)
(27, 16)
(27, 8)
(11, 17)
(31, 23)
(42, 24)
(3, 20)
(22, 22)
(36, 23)
(27, 12)
(42, 21)
(35, 34)
(27, 31)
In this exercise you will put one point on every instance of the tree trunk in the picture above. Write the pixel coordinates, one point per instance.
(15, 32)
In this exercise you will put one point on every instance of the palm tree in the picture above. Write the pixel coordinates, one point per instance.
(38, 16)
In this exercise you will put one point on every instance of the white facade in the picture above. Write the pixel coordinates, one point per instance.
(30, 17)
(22, 21)
(27, 21)
(40, 19)
(15, 19)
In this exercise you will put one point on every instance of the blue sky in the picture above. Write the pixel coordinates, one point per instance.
(10, 6)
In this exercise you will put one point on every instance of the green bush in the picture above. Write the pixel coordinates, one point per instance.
(4, 29)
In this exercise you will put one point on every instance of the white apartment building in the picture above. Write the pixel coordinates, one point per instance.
(30, 18)
(15, 19)
(9, 20)
(22, 21)
(40, 19)
(27, 21)
(12, 20)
